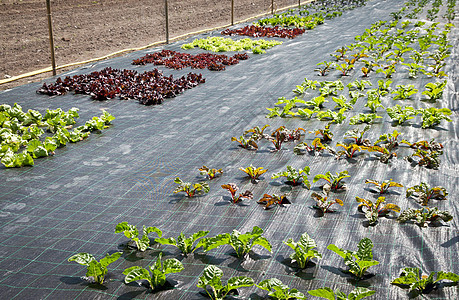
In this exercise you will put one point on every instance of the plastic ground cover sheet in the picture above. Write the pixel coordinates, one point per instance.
(71, 202)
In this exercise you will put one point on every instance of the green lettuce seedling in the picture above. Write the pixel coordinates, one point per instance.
(411, 278)
(295, 177)
(341, 102)
(434, 91)
(212, 275)
(158, 272)
(96, 270)
(241, 243)
(401, 115)
(278, 290)
(359, 84)
(183, 243)
(191, 189)
(373, 211)
(304, 250)
(423, 193)
(328, 115)
(131, 232)
(328, 293)
(373, 100)
(358, 261)
(432, 116)
(363, 118)
(404, 92)
(421, 216)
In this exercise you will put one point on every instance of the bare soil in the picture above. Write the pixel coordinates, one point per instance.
(85, 29)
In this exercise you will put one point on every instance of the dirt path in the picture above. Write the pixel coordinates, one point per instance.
(90, 29)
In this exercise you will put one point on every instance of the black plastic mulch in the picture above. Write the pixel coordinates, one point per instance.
(71, 202)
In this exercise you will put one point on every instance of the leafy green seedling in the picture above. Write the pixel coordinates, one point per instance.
(95, 270)
(306, 85)
(432, 116)
(344, 68)
(358, 261)
(278, 290)
(404, 92)
(304, 250)
(334, 181)
(341, 102)
(421, 216)
(359, 84)
(256, 132)
(269, 201)
(316, 147)
(434, 91)
(233, 188)
(363, 118)
(411, 278)
(423, 193)
(335, 117)
(317, 102)
(401, 114)
(384, 186)
(295, 177)
(183, 243)
(373, 100)
(384, 86)
(326, 133)
(413, 69)
(253, 172)
(131, 232)
(212, 275)
(355, 95)
(328, 293)
(242, 243)
(289, 102)
(389, 139)
(158, 271)
(428, 158)
(387, 70)
(191, 189)
(210, 173)
(375, 210)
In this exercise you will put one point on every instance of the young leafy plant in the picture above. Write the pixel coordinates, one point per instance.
(282, 134)
(404, 92)
(212, 275)
(294, 177)
(256, 132)
(363, 118)
(384, 186)
(421, 216)
(432, 116)
(269, 201)
(96, 270)
(428, 158)
(242, 243)
(304, 250)
(334, 117)
(191, 189)
(348, 150)
(131, 232)
(210, 173)
(411, 278)
(434, 91)
(278, 290)
(158, 271)
(326, 133)
(246, 143)
(388, 139)
(423, 193)
(328, 293)
(316, 147)
(323, 203)
(316, 103)
(401, 115)
(373, 100)
(334, 181)
(324, 67)
(253, 173)
(183, 243)
(375, 210)
(358, 261)
(359, 84)
(233, 188)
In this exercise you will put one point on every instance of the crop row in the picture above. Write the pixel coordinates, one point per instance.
(21, 130)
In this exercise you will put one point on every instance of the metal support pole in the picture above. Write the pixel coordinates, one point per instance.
(232, 12)
(51, 39)
(167, 22)
(272, 7)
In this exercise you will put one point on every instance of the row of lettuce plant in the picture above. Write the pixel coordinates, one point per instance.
(358, 263)
(21, 133)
